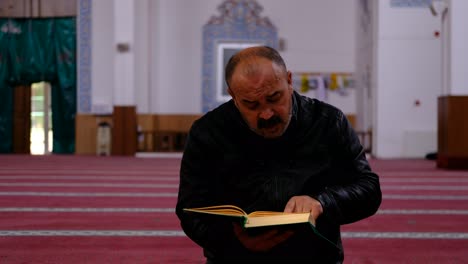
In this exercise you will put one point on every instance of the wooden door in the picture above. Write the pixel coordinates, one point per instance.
(124, 131)
(22, 119)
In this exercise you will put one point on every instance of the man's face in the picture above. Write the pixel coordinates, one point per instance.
(262, 92)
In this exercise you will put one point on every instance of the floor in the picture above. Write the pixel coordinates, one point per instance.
(85, 209)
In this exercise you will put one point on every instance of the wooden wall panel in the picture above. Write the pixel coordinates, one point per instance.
(57, 8)
(86, 132)
(145, 123)
(171, 130)
(152, 132)
(174, 123)
(37, 8)
(13, 8)
(124, 131)
(452, 135)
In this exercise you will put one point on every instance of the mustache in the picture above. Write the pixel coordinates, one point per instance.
(267, 123)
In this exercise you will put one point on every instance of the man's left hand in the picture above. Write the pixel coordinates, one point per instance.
(304, 204)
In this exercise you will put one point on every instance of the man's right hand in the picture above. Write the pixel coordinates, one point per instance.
(262, 242)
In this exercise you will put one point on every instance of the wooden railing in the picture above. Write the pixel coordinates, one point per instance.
(164, 133)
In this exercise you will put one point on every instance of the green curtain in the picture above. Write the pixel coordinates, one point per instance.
(6, 96)
(64, 87)
(9, 34)
(34, 50)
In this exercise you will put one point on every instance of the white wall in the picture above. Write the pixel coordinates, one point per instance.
(458, 43)
(168, 48)
(176, 32)
(316, 40)
(104, 94)
(407, 71)
(364, 64)
(319, 36)
(102, 56)
(143, 51)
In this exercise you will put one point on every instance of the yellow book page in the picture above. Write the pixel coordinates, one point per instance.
(231, 210)
(276, 218)
(264, 213)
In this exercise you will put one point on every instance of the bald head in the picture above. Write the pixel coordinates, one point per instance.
(251, 54)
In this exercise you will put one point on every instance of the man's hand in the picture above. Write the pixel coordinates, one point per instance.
(304, 204)
(262, 242)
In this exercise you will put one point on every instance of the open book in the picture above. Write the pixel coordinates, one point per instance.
(254, 219)
(261, 218)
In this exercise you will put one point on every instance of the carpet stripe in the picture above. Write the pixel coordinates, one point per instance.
(98, 202)
(405, 235)
(94, 233)
(399, 204)
(177, 233)
(104, 185)
(172, 210)
(120, 194)
(424, 187)
(74, 172)
(90, 194)
(424, 197)
(408, 179)
(421, 212)
(423, 173)
(87, 210)
(176, 178)
(161, 185)
(96, 177)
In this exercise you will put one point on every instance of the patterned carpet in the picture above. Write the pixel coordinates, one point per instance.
(85, 209)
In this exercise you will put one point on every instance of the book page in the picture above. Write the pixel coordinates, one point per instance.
(277, 218)
(265, 213)
(231, 210)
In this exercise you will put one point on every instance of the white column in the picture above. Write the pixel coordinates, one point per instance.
(124, 63)
(458, 48)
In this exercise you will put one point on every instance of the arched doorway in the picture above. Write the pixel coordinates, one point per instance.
(31, 51)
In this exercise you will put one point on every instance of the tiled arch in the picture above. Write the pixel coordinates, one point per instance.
(238, 25)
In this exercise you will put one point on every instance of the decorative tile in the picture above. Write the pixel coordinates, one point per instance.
(84, 56)
(410, 3)
(239, 23)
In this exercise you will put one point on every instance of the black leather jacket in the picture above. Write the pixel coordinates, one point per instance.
(319, 155)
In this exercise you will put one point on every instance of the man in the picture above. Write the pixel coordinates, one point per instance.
(270, 148)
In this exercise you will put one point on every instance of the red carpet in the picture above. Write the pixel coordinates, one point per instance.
(83, 209)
